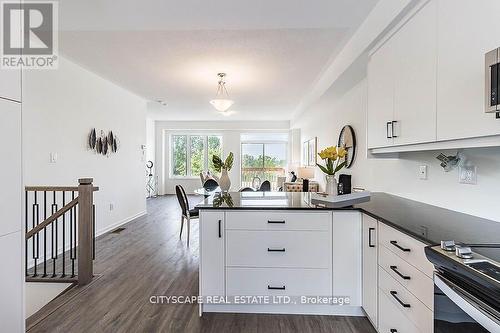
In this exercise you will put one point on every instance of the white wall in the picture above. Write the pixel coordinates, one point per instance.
(230, 131)
(150, 140)
(345, 103)
(59, 109)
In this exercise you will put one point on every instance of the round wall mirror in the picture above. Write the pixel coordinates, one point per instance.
(347, 139)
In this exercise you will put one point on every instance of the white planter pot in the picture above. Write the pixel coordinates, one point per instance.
(331, 185)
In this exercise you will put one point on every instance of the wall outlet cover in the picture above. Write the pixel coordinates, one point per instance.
(422, 172)
(467, 174)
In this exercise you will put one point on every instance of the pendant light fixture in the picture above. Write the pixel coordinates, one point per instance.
(222, 103)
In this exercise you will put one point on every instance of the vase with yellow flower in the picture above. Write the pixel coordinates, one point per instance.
(333, 158)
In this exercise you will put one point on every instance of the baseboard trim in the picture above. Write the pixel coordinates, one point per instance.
(325, 310)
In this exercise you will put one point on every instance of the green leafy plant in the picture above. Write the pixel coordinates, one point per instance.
(219, 165)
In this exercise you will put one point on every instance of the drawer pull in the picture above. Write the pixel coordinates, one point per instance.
(220, 228)
(395, 243)
(393, 294)
(393, 330)
(276, 222)
(276, 250)
(370, 237)
(276, 288)
(395, 270)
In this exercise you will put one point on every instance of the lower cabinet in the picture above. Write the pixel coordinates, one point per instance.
(392, 319)
(370, 268)
(212, 281)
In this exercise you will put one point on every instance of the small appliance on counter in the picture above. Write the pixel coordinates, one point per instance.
(344, 186)
(466, 287)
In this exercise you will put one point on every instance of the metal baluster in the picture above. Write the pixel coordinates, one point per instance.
(44, 234)
(72, 246)
(54, 228)
(26, 230)
(64, 236)
(35, 218)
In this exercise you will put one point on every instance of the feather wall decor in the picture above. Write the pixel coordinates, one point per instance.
(104, 144)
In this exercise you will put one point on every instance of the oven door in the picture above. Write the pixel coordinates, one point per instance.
(455, 310)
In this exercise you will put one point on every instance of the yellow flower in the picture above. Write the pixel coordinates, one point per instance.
(342, 152)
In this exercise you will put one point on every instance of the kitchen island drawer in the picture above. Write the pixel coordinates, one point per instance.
(414, 310)
(411, 278)
(278, 220)
(406, 248)
(293, 249)
(278, 281)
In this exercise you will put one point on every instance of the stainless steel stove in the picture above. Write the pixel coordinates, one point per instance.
(466, 288)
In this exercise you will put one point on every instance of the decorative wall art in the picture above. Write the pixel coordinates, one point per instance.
(309, 152)
(104, 144)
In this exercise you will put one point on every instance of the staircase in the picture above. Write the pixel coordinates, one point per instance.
(60, 233)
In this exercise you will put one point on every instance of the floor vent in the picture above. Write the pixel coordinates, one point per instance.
(117, 230)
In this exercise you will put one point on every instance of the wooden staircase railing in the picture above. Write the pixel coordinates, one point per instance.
(70, 260)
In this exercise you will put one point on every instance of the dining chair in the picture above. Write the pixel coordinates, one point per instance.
(265, 186)
(247, 189)
(187, 213)
(210, 184)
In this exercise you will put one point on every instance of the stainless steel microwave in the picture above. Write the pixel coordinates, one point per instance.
(492, 87)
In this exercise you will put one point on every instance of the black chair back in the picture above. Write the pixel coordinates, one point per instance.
(210, 184)
(265, 186)
(247, 189)
(183, 200)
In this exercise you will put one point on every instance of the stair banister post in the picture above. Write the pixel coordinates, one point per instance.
(85, 232)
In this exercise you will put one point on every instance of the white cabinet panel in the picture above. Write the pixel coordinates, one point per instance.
(347, 255)
(306, 249)
(415, 83)
(10, 169)
(466, 31)
(381, 75)
(11, 286)
(370, 267)
(278, 281)
(212, 253)
(278, 220)
(392, 319)
(10, 84)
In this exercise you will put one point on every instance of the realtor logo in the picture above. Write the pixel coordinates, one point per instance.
(29, 35)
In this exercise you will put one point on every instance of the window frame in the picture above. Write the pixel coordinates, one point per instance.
(188, 153)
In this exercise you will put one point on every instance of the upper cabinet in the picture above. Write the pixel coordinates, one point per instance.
(466, 31)
(426, 81)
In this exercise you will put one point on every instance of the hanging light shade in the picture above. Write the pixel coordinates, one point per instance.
(221, 102)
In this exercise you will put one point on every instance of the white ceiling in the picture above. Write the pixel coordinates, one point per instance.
(272, 51)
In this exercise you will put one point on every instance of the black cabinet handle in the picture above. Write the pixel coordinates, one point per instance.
(395, 243)
(276, 288)
(276, 222)
(220, 228)
(395, 270)
(394, 293)
(370, 237)
(393, 330)
(275, 250)
(392, 127)
(388, 125)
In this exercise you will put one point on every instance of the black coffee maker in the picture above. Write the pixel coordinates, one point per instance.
(344, 186)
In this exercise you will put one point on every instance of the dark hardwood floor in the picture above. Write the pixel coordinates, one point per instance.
(146, 259)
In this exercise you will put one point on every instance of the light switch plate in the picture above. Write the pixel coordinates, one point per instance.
(422, 172)
(53, 157)
(467, 174)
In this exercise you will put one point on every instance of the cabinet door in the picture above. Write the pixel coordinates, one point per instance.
(370, 262)
(212, 237)
(10, 175)
(415, 83)
(466, 31)
(381, 71)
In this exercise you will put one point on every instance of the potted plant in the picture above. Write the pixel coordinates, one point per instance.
(223, 168)
(332, 157)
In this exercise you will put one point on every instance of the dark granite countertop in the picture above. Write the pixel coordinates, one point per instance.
(427, 223)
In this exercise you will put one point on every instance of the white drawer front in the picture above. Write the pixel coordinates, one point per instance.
(278, 281)
(304, 249)
(414, 280)
(406, 248)
(420, 315)
(391, 317)
(279, 220)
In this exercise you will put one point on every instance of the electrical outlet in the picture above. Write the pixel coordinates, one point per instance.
(422, 172)
(111, 206)
(53, 157)
(467, 174)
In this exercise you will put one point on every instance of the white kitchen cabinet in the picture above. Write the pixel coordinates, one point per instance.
(415, 78)
(466, 31)
(370, 268)
(10, 175)
(402, 83)
(381, 75)
(212, 239)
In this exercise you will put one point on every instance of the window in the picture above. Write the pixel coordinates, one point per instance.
(192, 154)
(266, 160)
